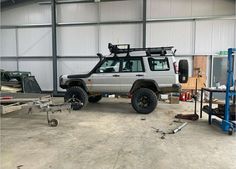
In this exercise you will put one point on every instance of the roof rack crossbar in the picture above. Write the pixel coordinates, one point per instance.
(125, 48)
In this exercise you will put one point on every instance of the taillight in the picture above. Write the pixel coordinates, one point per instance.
(176, 68)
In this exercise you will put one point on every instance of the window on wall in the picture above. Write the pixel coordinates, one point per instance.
(160, 64)
(132, 65)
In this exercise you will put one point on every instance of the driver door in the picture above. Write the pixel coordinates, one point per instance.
(106, 79)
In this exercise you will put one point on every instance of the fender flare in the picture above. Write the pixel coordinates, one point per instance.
(149, 83)
(76, 82)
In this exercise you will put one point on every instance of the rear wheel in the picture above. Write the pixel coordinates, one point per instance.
(94, 99)
(77, 97)
(144, 101)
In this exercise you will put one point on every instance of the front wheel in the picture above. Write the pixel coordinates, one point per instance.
(144, 101)
(77, 97)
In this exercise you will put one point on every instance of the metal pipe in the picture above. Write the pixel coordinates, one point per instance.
(77, 57)
(144, 22)
(112, 22)
(98, 23)
(62, 57)
(211, 71)
(17, 50)
(54, 45)
(25, 26)
(179, 128)
(194, 36)
(65, 2)
(76, 1)
(223, 17)
(24, 57)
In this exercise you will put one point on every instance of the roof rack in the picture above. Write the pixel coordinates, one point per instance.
(125, 48)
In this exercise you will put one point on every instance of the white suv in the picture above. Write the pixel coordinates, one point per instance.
(142, 73)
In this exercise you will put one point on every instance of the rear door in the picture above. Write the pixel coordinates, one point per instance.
(161, 70)
(132, 69)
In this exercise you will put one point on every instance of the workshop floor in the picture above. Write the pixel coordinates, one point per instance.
(110, 135)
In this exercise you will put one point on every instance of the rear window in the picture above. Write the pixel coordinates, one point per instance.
(159, 64)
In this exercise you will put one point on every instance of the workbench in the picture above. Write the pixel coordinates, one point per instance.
(227, 116)
(210, 111)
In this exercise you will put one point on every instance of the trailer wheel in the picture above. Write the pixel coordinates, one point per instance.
(53, 123)
(144, 101)
(77, 97)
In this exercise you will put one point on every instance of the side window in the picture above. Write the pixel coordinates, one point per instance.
(159, 64)
(109, 66)
(132, 65)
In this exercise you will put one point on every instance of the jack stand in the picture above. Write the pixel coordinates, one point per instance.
(194, 116)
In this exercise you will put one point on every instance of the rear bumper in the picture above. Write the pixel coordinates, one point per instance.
(175, 88)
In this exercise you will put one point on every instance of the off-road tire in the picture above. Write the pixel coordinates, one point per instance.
(150, 100)
(76, 95)
(94, 99)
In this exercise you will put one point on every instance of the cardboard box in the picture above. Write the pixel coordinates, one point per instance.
(174, 100)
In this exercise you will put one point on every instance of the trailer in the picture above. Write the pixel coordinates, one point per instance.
(11, 102)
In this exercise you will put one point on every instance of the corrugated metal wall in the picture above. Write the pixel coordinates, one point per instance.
(205, 37)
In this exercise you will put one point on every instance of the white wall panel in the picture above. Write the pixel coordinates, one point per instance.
(8, 42)
(181, 8)
(78, 41)
(177, 34)
(35, 42)
(223, 35)
(224, 7)
(81, 12)
(202, 7)
(123, 34)
(72, 66)
(235, 31)
(188, 8)
(121, 10)
(9, 65)
(41, 69)
(213, 36)
(212, 7)
(203, 43)
(158, 8)
(26, 14)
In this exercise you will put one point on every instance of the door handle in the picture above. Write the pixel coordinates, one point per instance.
(116, 75)
(139, 75)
